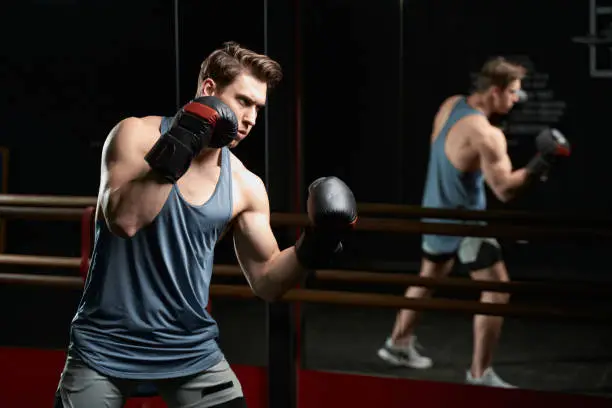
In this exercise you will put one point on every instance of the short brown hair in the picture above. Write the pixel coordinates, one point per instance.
(226, 63)
(499, 72)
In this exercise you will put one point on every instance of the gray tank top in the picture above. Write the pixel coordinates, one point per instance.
(143, 310)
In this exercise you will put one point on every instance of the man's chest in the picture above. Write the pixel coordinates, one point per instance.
(199, 188)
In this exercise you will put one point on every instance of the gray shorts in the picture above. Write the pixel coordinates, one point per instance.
(82, 387)
(474, 252)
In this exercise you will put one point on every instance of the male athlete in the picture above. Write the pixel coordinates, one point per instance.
(467, 152)
(169, 189)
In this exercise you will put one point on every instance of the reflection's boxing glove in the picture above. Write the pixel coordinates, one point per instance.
(551, 145)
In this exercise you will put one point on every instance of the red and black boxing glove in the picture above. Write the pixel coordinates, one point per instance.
(203, 122)
(332, 212)
(551, 145)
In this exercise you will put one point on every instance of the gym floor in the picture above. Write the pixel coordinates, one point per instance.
(542, 354)
(532, 354)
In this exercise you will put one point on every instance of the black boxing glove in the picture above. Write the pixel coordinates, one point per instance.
(203, 122)
(332, 212)
(551, 145)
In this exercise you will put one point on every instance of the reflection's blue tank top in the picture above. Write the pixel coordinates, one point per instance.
(447, 187)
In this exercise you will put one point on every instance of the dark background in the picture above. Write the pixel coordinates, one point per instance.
(368, 80)
(362, 82)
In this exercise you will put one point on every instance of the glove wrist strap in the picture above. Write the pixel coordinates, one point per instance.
(538, 166)
(173, 152)
(169, 158)
(315, 250)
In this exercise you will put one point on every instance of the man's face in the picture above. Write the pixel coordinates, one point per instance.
(505, 99)
(246, 95)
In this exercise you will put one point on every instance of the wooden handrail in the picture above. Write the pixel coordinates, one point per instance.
(516, 217)
(47, 200)
(386, 225)
(41, 213)
(351, 276)
(361, 300)
(443, 305)
(73, 208)
(39, 260)
(583, 289)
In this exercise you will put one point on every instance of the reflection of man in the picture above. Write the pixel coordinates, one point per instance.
(467, 151)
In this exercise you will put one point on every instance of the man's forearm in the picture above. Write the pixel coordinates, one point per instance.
(281, 273)
(135, 204)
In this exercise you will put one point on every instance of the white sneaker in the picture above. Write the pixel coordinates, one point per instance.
(407, 356)
(489, 378)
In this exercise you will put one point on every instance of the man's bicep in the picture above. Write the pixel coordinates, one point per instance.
(494, 160)
(254, 240)
(254, 243)
(253, 237)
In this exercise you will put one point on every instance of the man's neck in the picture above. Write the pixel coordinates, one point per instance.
(208, 157)
(480, 102)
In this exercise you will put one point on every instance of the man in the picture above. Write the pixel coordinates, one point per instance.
(467, 152)
(169, 189)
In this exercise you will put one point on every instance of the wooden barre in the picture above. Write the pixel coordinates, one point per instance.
(444, 305)
(39, 260)
(462, 284)
(369, 225)
(361, 300)
(41, 213)
(55, 281)
(350, 276)
(560, 232)
(364, 208)
(47, 200)
(513, 216)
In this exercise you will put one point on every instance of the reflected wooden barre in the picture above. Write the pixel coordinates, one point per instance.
(445, 305)
(360, 300)
(559, 232)
(504, 216)
(461, 284)
(349, 276)
(384, 225)
(514, 216)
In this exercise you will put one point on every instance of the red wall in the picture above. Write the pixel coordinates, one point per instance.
(30, 378)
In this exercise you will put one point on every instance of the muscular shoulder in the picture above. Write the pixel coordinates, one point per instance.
(133, 125)
(450, 101)
(133, 133)
(486, 137)
(446, 106)
(251, 188)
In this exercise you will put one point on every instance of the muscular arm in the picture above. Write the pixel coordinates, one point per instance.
(131, 195)
(269, 271)
(496, 165)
